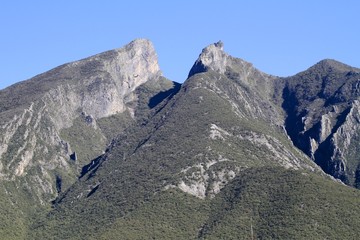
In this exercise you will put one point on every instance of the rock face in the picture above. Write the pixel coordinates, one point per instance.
(40, 116)
(322, 116)
(253, 88)
(214, 58)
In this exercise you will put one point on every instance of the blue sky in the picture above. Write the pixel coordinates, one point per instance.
(280, 37)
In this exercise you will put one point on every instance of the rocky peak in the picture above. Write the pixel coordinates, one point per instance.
(129, 66)
(143, 56)
(237, 70)
(43, 113)
(126, 68)
(213, 58)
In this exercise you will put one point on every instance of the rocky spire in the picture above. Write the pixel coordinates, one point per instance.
(212, 57)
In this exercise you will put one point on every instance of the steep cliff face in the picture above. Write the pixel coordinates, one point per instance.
(322, 116)
(54, 124)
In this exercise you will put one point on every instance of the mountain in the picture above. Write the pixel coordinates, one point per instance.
(221, 156)
(57, 122)
(322, 109)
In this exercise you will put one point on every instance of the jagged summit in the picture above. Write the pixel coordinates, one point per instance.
(212, 57)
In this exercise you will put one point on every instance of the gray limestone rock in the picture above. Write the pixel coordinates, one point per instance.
(33, 113)
(321, 106)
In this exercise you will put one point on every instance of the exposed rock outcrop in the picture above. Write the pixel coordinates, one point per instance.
(322, 116)
(31, 139)
(214, 58)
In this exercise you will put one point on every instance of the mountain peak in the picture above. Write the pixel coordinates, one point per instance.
(127, 68)
(219, 45)
(212, 57)
(333, 65)
(140, 44)
(140, 53)
(137, 61)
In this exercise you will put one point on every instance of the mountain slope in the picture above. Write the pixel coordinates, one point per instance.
(57, 122)
(260, 203)
(210, 159)
(274, 203)
(212, 134)
(322, 109)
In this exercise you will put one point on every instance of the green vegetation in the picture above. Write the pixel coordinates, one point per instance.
(168, 215)
(18, 209)
(13, 224)
(85, 139)
(274, 203)
(118, 121)
(260, 203)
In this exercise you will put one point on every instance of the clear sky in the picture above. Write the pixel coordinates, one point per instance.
(280, 37)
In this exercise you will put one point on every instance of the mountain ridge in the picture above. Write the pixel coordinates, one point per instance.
(219, 144)
(329, 64)
(60, 120)
(321, 103)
